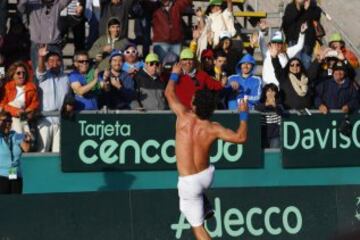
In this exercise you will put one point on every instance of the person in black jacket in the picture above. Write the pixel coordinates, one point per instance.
(296, 13)
(295, 87)
(337, 93)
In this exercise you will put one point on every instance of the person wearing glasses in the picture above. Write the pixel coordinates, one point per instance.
(132, 64)
(84, 83)
(53, 87)
(117, 87)
(20, 97)
(149, 87)
(295, 87)
(12, 145)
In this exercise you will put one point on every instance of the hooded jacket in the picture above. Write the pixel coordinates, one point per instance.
(249, 86)
(31, 98)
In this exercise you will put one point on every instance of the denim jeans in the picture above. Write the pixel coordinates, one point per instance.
(162, 48)
(305, 55)
(93, 31)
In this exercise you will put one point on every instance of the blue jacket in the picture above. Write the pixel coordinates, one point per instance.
(250, 86)
(335, 96)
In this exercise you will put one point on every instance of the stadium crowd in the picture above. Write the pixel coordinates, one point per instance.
(298, 70)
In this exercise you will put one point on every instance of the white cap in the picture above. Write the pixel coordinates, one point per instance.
(331, 54)
(225, 34)
(277, 37)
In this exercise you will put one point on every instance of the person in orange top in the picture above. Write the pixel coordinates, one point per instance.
(20, 97)
(337, 43)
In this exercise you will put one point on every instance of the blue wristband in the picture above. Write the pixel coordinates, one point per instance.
(174, 77)
(244, 116)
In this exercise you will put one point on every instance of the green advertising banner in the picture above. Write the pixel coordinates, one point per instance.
(145, 141)
(290, 213)
(316, 141)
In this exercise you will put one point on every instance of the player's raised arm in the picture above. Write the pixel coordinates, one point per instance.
(170, 94)
(240, 135)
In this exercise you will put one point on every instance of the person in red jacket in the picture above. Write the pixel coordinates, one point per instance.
(167, 28)
(191, 79)
(20, 97)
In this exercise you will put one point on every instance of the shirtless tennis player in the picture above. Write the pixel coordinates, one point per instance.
(194, 137)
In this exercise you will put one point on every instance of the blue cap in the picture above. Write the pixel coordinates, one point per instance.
(115, 53)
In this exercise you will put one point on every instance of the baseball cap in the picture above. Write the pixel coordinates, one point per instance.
(152, 57)
(215, 2)
(339, 65)
(207, 53)
(331, 54)
(186, 54)
(277, 37)
(224, 34)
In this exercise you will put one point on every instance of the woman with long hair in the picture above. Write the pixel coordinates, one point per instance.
(20, 97)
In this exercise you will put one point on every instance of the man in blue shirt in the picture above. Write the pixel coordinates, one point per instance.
(84, 83)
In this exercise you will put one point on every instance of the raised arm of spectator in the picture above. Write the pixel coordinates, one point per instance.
(294, 50)
(174, 103)
(41, 68)
(82, 90)
(229, 5)
(279, 71)
(263, 25)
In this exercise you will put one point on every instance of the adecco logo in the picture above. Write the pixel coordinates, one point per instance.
(235, 223)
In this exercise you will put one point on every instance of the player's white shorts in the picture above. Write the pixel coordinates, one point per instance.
(191, 190)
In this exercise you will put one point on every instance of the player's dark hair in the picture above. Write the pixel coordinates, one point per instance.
(205, 102)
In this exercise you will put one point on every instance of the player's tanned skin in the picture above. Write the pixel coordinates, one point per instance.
(194, 138)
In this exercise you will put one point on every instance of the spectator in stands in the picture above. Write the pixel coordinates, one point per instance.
(131, 64)
(20, 97)
(107, 43)
(321, 68)
(118, 90)
(12, 145)
(84, 82)
(53, 87)
(3, 18)
(17, 42)
(268, 73)
(207, 61)
(43, 23)
(233, 53)
(191, 79)
(218, 72)
(92, 14)
(296, 13)
(337, 93)
(149, 87)
(272, 110)
(244, 84)
(295, 87)
(337, 43)
(166, 24)
(72, 17)
(115, 8)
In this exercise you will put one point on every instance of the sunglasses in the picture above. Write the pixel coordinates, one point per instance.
(83, 61)
(154, 63)
(295, 65)
(20, 73)
(128, 52)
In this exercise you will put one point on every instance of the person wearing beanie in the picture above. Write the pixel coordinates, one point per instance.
(103, 46)
(338, 93)
(337, 43)
(189, 79)
(118, 88)
(244, 84)
(149, 87)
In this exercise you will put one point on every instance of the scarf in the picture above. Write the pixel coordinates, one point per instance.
(300, 86)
